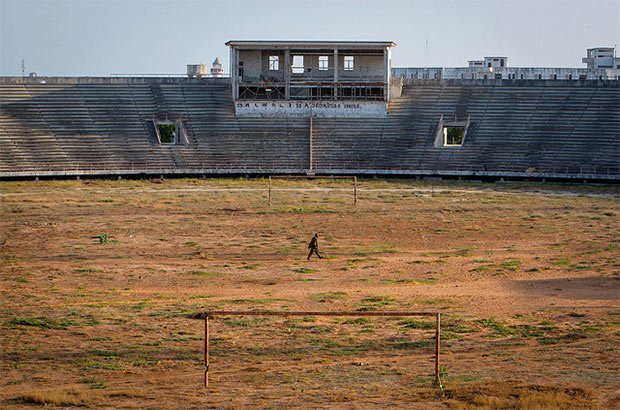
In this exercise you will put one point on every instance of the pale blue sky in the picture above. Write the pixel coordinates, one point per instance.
(99, 37)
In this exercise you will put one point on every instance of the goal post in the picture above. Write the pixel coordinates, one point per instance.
(293, 177)
(212, 314)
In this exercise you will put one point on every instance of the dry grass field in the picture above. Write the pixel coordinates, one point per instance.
(99, 280)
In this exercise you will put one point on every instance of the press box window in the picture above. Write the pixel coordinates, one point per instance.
(453, 136)
(349, 62)
(298, 64)
(274, 63)
(323, 63)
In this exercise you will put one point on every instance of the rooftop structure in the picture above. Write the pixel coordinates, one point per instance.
(602, 57)
(216, 68)
(307, 71)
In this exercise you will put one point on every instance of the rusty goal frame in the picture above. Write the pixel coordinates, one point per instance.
(211, 314)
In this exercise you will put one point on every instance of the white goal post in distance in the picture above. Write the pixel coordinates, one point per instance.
(353, 178)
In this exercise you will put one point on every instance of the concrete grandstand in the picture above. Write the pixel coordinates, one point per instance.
(506, 128)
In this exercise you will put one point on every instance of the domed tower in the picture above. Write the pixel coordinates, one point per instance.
(216, 68)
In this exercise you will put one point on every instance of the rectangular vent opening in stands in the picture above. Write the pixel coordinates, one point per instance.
(167, 132)
(453, 136)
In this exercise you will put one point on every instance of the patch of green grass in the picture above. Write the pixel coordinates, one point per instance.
(205, 274)
(41, 322)
(106, 353)
(328, 296)
(387, 247)
(99, 365)
(406, 345)
(304, 210)
(510, 264)
(498, 328)
(88, 270)
(370, 303)
(249, 267)
(103, 238)
(395, 281)
(358, 321)
(95, 383)
(411, 323)
(463, 252)
(548, 340)
(305, 270)
(562, 262)
(252, 301)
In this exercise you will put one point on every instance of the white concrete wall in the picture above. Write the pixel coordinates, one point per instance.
(367, 67)
(335, 109)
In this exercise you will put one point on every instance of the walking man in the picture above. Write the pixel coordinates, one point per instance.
(314, 246)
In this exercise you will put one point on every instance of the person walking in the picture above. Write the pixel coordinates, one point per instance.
(314, 246)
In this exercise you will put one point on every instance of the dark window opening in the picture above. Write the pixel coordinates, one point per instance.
(168, 133)
(453, 136)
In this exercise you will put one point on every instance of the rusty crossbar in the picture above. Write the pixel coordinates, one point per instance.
(211, 314)
(354, 178)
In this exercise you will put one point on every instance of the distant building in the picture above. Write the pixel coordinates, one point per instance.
(216, 68)
(196, 70)
(602, 65)
(602, 57)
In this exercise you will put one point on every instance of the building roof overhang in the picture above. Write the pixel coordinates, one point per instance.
(310, 45)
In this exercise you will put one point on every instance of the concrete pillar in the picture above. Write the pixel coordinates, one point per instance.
(386, 73)
(335, 72)
(234, 72)
(287, 74)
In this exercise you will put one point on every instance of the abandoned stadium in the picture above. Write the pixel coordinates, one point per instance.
(290, 110)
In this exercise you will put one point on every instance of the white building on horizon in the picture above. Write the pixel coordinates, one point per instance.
(602, 64)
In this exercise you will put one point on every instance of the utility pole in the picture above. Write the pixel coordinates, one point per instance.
(23, 68)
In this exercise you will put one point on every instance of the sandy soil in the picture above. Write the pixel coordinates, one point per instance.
(100, 279)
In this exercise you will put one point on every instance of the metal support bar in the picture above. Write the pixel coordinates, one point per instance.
(207, 351)
(310, 149)
(437, 344)
(269, 190)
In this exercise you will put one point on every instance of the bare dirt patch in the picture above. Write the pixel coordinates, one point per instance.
(98, 279)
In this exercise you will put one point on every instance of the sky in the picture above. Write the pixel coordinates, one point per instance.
(101, 37)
